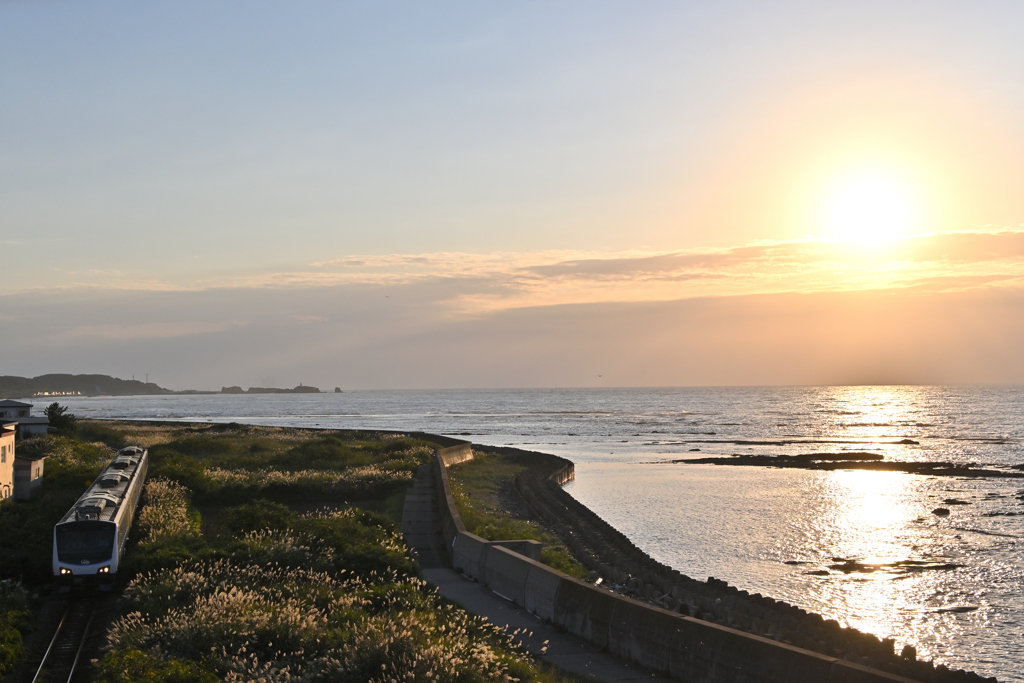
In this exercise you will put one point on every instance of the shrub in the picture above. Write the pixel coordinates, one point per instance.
(11, 649)
(130, 666)
(258, 515)
(167, 529)
(60, 419)
(258, 622)
(165, 512)
(94, 431)
(14, 620)
(180, 468)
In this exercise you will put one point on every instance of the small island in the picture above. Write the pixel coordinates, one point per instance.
(64, 385)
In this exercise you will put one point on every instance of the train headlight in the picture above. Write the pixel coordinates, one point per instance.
(104, 570)
(64, 571)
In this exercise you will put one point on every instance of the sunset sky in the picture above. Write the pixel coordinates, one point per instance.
(406, 195)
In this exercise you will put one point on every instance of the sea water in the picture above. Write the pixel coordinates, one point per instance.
(949, 585)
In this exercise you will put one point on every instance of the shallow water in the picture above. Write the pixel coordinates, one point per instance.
(743, 524)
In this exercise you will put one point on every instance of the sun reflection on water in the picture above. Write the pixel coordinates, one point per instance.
(872, 509)
(868, 548)
(885, 419)
(872, 514)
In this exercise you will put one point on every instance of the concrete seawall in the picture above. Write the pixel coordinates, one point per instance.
(685, 647)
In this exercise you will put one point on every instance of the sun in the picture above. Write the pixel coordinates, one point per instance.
(870, 210)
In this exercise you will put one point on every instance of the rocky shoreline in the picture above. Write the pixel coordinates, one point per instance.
(619, 565)
(854, 460)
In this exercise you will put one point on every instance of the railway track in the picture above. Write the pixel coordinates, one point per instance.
(65, 650)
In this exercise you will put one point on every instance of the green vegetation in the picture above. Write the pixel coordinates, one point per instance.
(84, 385)
(60, 419)
(15, 619)
(258, 554)
(477, 486)
(234, 463)
(280, 595)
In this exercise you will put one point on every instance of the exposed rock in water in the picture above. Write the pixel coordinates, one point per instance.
(941, 512)
(856, 460)
(900, 567)
(955, 501)
(849, 455)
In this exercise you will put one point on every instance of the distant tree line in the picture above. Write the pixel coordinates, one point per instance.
(86, 385)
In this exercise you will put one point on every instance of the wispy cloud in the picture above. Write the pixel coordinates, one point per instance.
(938, 308)
(475, 284)
(162, 330)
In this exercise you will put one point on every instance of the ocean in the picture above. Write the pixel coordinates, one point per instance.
(862, 547)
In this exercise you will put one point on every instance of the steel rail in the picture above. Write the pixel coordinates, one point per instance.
(81, 644)
(62, 627)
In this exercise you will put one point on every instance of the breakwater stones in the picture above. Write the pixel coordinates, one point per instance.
(632, 572)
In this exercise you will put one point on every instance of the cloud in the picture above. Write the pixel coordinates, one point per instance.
(545, 318)
(903, 336)
(959, 323)
(480, 284)
(492, 282)
(158, 330)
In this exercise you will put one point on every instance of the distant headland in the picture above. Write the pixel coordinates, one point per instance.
(272, 390)
(105, 385)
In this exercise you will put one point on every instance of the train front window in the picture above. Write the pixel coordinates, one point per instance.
(92, 541)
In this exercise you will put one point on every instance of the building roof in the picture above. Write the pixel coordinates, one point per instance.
(33, 458)
(34, 420)
(8, 403)
(8, 426)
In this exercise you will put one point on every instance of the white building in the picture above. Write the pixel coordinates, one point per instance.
(7, 431)
(28, 476)
(28, 426)
(14, 409)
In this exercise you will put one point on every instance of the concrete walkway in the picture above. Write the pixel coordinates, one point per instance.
(422, 532)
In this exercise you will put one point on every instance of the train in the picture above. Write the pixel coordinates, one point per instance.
(88, 542)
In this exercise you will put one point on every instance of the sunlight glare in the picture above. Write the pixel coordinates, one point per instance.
(870, 210)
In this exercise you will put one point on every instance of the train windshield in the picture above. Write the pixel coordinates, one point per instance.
(91, 541)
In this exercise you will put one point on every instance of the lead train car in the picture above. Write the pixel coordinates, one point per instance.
(88, 543)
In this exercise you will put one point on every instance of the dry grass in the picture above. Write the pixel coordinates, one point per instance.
(481, 488)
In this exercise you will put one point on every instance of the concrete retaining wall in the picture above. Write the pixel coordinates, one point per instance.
(686, 648)
(453, 455)
(466, 552)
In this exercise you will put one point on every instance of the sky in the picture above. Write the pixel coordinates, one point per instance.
(465, 194)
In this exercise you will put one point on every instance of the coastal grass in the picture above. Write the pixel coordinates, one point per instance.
(479, 485)
(234, 463)
(259, 553)
(278, 595)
